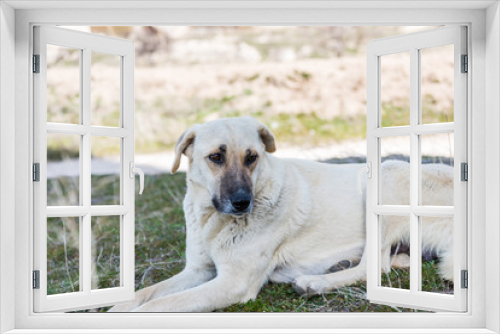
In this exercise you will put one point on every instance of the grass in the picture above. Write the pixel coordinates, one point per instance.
(398, 114)
(160, 252)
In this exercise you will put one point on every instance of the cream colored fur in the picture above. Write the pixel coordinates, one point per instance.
(307, 217)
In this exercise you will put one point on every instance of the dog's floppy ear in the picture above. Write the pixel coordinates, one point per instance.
(267, 138)
(186, 139)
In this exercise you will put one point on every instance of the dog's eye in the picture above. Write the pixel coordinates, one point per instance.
(250, 159)
(216, 157)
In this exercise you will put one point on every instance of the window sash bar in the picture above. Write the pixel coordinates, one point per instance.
(94, 210)
(422, 129)
(419, 210)
(77, 129)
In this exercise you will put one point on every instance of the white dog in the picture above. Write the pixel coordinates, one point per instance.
(251, 217)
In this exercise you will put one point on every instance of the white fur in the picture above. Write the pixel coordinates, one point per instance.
(307, 217)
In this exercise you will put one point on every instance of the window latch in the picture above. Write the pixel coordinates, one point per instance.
(134, 170)
(368, 171)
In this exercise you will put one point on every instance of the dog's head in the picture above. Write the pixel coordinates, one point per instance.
(226, 157)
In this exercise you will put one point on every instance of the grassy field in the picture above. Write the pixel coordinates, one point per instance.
(160, 253)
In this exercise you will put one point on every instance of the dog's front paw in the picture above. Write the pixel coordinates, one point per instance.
(308, 285)
(140, 298)
(127, 307)
(400, 261)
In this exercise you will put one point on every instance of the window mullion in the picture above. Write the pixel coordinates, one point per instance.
(86, 232)
(414, 170)
(86, 251)
(81, 196)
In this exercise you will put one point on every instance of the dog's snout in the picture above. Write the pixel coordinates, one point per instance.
(241, 200)
(241, 205)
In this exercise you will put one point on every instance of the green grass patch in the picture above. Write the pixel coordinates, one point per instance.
(311, 129)
(398, 113)
(397, 279)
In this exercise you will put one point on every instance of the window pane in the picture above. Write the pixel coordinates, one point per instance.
(395, 171)
(105, 89)
(395, 89)
(63, 169)
(63, 255)
(105, 252)
(394, 234)
(437, 254)
(63, 84)
(437, 169)
(105, 169)
(437, 71)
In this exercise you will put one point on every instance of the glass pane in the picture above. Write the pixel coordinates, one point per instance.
(63, 84)
(105, 252)
(437, 65)
(395, 89)
(394, 234)
(437, 254)
(63, 169)
(105, 168)
(395, 170)
(63, 255)
(437, 169)
(105, 89)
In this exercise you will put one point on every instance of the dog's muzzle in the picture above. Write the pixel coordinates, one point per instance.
(238, 203)
(241, 202)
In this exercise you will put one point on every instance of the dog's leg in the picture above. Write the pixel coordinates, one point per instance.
(316, 284)
(188, 278)
(400, 261)
(445, 265)
(235, 282)
(385, 260)
(215, 294)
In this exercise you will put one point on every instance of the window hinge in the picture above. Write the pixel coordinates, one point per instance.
(36, 172)
(36, 63)
(465, 64)
(465, 279)
(464, 171)
(36, 279)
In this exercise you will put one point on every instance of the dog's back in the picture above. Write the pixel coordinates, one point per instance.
(437, 184)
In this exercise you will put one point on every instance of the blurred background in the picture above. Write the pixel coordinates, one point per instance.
(307, 84)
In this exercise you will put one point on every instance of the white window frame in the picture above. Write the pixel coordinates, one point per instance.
(86, 297)
(483, 21)
(413, 44)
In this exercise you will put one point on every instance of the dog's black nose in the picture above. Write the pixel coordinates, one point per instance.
(241, 201)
